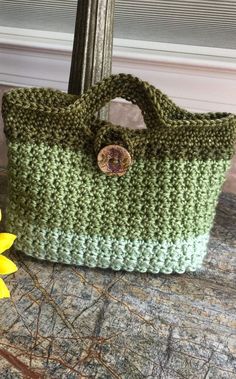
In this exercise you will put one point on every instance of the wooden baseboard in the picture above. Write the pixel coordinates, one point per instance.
(198, 78)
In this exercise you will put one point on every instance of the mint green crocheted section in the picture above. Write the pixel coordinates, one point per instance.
(119, 254)
(159, 200)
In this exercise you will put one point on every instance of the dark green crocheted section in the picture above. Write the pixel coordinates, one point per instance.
(55, 118)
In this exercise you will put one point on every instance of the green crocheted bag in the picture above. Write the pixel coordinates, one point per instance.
(84, 191)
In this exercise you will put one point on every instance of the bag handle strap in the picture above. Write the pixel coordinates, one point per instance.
(131, 88)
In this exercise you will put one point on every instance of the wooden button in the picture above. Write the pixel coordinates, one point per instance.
(114, 160)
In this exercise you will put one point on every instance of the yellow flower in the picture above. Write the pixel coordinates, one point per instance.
(6, 265)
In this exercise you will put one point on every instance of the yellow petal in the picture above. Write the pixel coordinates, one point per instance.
(7, 266)
(4, 291)
(6, 241)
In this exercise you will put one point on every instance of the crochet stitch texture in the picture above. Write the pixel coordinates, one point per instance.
(156, 218)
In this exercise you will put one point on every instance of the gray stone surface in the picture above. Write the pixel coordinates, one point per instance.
(74, 322)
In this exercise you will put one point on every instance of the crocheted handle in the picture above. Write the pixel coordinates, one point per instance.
(126, 86)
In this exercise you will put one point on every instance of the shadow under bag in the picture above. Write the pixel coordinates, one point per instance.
(84, 191)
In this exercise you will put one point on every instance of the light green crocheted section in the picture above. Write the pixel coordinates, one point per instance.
(159, 200)
(119, 254)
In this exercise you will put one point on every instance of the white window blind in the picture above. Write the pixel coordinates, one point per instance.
(191, 22)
